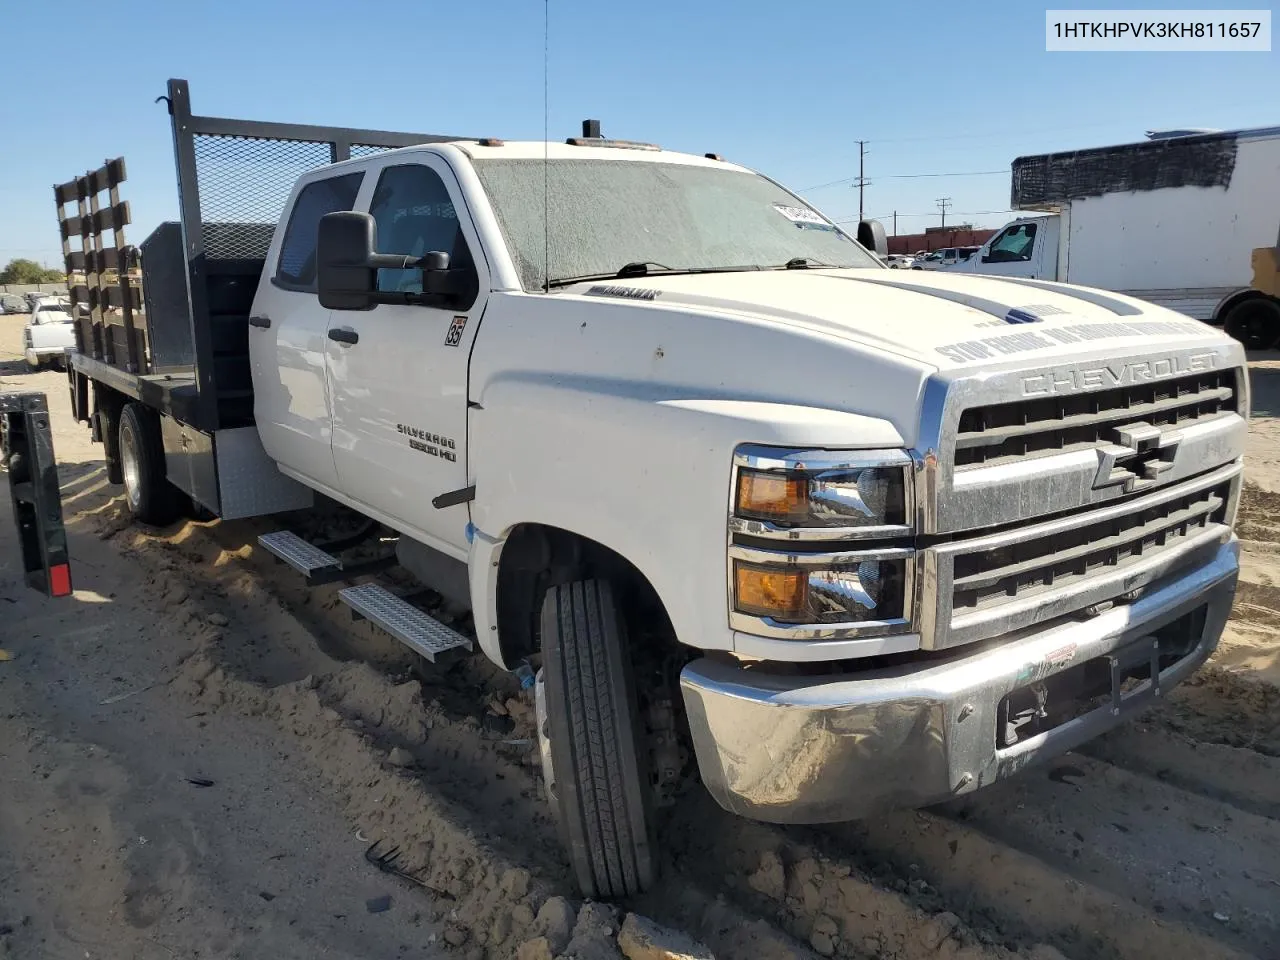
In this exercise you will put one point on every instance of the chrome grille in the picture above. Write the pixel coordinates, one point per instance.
(1003, 432)
(1027, 567)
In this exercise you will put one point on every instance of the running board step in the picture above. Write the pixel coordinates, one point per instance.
(414, 628)
(308, 559)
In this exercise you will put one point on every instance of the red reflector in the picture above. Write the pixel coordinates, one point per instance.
(60, 580)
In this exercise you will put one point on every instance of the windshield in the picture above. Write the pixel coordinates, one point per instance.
(604, 214)
(52, 315)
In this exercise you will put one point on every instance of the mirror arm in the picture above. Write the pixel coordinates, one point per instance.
(392, 261)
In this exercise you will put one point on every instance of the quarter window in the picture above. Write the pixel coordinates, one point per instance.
(297, 266)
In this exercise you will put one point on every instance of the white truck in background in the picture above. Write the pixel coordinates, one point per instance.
(743, 505)
(49, 334)
(1172, 221)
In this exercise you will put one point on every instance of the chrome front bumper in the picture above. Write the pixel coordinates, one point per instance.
(789, 749)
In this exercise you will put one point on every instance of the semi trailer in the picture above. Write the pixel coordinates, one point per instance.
(1173, 221)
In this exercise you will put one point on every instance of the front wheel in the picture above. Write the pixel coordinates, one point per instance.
(590, 727)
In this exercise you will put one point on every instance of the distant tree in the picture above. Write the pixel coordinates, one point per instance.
(21, 270)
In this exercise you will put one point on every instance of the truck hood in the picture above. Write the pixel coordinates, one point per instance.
(942, 319)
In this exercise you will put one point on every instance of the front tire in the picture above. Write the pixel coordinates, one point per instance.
(1255, 322)
(597, 781)
(150, 497)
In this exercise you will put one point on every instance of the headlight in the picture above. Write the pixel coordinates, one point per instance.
(821, 495)
(857, 592)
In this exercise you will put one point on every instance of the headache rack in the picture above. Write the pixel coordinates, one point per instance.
(166, 322)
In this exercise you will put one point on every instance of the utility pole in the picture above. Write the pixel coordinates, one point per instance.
(895, 223)
(943, 203)
(862, 181)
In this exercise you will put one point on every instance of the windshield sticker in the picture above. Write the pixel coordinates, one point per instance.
(803, 217)
(629, 293)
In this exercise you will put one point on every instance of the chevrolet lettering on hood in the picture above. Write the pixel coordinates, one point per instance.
(1083, 379)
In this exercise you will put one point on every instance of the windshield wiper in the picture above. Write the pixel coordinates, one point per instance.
(641, 268)
(804, 263)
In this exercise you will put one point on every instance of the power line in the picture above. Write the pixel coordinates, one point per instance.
(989, 135)
(931, 213)
(903, 176)
(943, 203)
(967, 173)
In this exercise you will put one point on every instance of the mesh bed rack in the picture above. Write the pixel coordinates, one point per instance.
(167, 322)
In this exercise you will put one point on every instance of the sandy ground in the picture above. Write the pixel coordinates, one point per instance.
(195, 751)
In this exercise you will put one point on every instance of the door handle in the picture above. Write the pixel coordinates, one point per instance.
(343, 335)
(263, 321)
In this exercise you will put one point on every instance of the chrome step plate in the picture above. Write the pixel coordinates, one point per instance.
(414, 628)
(306, 558)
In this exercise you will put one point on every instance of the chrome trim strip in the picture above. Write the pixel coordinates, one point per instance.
(834, 558)
(1049, 528)
(796, 650)
(760, 457)
(767, 530)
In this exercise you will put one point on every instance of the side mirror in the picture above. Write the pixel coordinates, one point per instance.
(871, 235)
(344, 249)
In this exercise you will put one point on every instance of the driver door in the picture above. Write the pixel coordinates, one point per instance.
(398, 372)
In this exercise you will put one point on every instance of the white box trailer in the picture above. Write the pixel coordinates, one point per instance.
(1171, 221)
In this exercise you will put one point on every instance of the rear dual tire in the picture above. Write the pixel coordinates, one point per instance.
(596, 768)
(148, 494)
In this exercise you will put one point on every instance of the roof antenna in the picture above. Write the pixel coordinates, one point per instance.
(546, 139)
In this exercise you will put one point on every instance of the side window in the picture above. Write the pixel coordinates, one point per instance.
(415, 216)
(1016, 243)
(296, 268)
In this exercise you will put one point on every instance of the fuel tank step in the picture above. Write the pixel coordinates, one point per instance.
(414, 628)
(308, 559)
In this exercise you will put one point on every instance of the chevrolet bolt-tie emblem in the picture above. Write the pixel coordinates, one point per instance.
(1139, 453)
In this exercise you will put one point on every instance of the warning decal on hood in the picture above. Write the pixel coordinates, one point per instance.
(988, 348)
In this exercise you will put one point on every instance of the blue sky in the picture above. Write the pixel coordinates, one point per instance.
(787, 88)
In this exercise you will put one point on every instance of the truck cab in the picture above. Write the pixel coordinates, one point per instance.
(743, 506)
(1027, 247)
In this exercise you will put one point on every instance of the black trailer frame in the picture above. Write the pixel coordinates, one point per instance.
(26, 446)
(224, 227)
(166, 323)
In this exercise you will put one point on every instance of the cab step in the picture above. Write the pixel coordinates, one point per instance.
(415, 628)
(308, 559)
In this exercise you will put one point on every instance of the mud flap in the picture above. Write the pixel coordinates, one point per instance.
(26, 448)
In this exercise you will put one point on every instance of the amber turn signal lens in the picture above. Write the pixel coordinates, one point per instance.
(769, 591)
(772, 495)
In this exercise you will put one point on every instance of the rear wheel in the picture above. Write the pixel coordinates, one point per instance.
(150, 497)
(590, 729)
(1255, 322)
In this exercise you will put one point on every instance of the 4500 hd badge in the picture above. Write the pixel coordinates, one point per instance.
(430, 443)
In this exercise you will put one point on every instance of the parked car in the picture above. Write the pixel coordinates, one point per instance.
(899, 261)
(14, 303)
(946, 257)
(49, 334)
